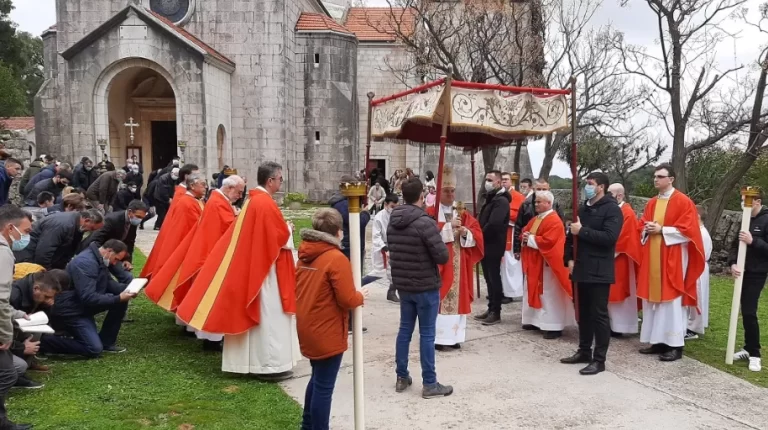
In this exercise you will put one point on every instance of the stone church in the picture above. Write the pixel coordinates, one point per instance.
(226, 82)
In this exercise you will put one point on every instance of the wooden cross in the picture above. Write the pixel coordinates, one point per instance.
(132, 125)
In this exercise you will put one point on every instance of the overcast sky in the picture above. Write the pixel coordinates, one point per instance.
(635, 20)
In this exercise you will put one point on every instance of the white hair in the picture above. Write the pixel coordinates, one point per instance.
(547, 195)
(616, 187)
(232, 181)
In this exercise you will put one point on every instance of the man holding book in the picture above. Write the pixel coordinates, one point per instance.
(94, 292)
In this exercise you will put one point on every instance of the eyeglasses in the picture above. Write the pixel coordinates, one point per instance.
(281, 178)
(660, 176)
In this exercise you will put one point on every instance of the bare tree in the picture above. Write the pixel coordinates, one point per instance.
(680, 77)
(537, 43)
(758, 131)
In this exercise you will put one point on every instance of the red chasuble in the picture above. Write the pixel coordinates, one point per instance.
(629, 250)
(661, 277)
(224, 297)
(514, 208)
(549, 233)
(176, 228)
(469, 257)
(171, 283)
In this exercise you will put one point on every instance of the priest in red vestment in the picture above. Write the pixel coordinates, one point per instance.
(464, 238)
(246, 287)
(183, 217)
(548, 298)
(511, 269)
(672, 261)
(622, 301)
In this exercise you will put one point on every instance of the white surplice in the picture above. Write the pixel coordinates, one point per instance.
(623, 316)
(270, 347)
(511, 272)
(381, 266)
(667, 322)
(556, 311)
(698, 318)
(451, 329)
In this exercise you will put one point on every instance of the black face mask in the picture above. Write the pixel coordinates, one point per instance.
(62, 185)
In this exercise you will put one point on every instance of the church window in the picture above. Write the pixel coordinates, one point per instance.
(317, 60)
(174, 10)
(317, 138)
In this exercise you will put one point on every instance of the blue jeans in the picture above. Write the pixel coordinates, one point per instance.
(423, 306)
(86, 339)
(317, 400)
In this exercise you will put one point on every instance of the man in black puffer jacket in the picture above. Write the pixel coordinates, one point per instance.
(494, 219)
(415, 250)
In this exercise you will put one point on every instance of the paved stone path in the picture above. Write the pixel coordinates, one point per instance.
(507, 378)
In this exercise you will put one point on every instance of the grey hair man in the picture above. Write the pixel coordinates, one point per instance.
(196, 184)
(233, 187)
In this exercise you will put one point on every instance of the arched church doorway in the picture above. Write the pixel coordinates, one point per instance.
(142, 118)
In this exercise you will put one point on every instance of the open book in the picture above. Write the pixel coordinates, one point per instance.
(136, 285)
(37, 323)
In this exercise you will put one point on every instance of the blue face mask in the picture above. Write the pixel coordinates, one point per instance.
(135, 221)
(18, 245)
(590, 191)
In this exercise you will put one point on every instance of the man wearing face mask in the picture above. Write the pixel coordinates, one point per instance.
(528, 212)
(15, 226)
(170, 285)
(120, 225)
(84, 175)
(133, 174)
(592, 266)
(102, 192)
(380, 251)
(94, 292)
(55, 239)
(54, 186)
(125, 196)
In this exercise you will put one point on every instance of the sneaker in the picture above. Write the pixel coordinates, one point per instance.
(403, 383)
(435, 391)
(691, 335)
(114, 349)
(754, 364)
(741, 355)
(37, 367)
(493, 319)
(26, 383)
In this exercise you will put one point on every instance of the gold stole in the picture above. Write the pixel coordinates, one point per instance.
(535, 226)
(656, 241)
(450, 304)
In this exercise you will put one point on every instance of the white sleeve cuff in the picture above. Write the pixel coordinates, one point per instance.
(672, 236)
(532, 242)
(469, 241)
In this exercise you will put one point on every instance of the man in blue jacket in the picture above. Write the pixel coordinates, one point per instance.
(9, 169)
(93, 292)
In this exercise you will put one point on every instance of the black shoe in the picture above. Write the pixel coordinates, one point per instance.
(578, 357)
(457, 346)
(141, 226)
(507, 300)
(436, 391)
(439, 347)
(616, 334)
(209, 345)
(392, 296)
(493, 319)
(403, 383)
(657, 348)
(365, 329)
(114, 349)
(552, 334)
(594, 368)
(187, 333)
(26, 383)
(673, 354)
(530, 327)
(482, 317)
(156, 228)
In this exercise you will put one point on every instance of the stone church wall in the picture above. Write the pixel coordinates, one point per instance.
(328, 134)
(218, 106)
(16, 144)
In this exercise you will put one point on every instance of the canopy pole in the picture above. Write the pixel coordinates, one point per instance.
(474, 210)
(574, 186)
(443, 138)
(368, 145)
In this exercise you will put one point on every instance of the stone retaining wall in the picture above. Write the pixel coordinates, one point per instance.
(16, 144)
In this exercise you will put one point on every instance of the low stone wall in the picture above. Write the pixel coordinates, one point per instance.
(725, 233)
(16, 144)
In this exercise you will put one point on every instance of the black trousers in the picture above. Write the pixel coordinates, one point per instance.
(594, 323)
(8, 376)
(750, 296)
(491, 265)
(162, 210)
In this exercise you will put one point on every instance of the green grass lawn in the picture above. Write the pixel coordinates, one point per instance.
(163, 381)
(710, 348)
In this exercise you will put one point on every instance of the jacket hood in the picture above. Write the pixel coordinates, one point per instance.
(608, 198)
(315, 243)
(763, 212)
(36, 163)
(335, 198)
(404, 215)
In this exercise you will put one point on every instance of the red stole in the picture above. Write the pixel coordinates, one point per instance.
(550, 239)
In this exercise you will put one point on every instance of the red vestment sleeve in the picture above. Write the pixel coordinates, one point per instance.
(630, 252)
(177, 226)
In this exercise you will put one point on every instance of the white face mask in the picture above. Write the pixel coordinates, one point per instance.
(489, 186)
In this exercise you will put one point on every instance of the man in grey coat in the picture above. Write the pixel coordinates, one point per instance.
(15, 225)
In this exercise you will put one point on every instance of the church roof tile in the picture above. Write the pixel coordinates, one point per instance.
(318, 22)
(380, 24)
(192, 38)
(18, 123)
